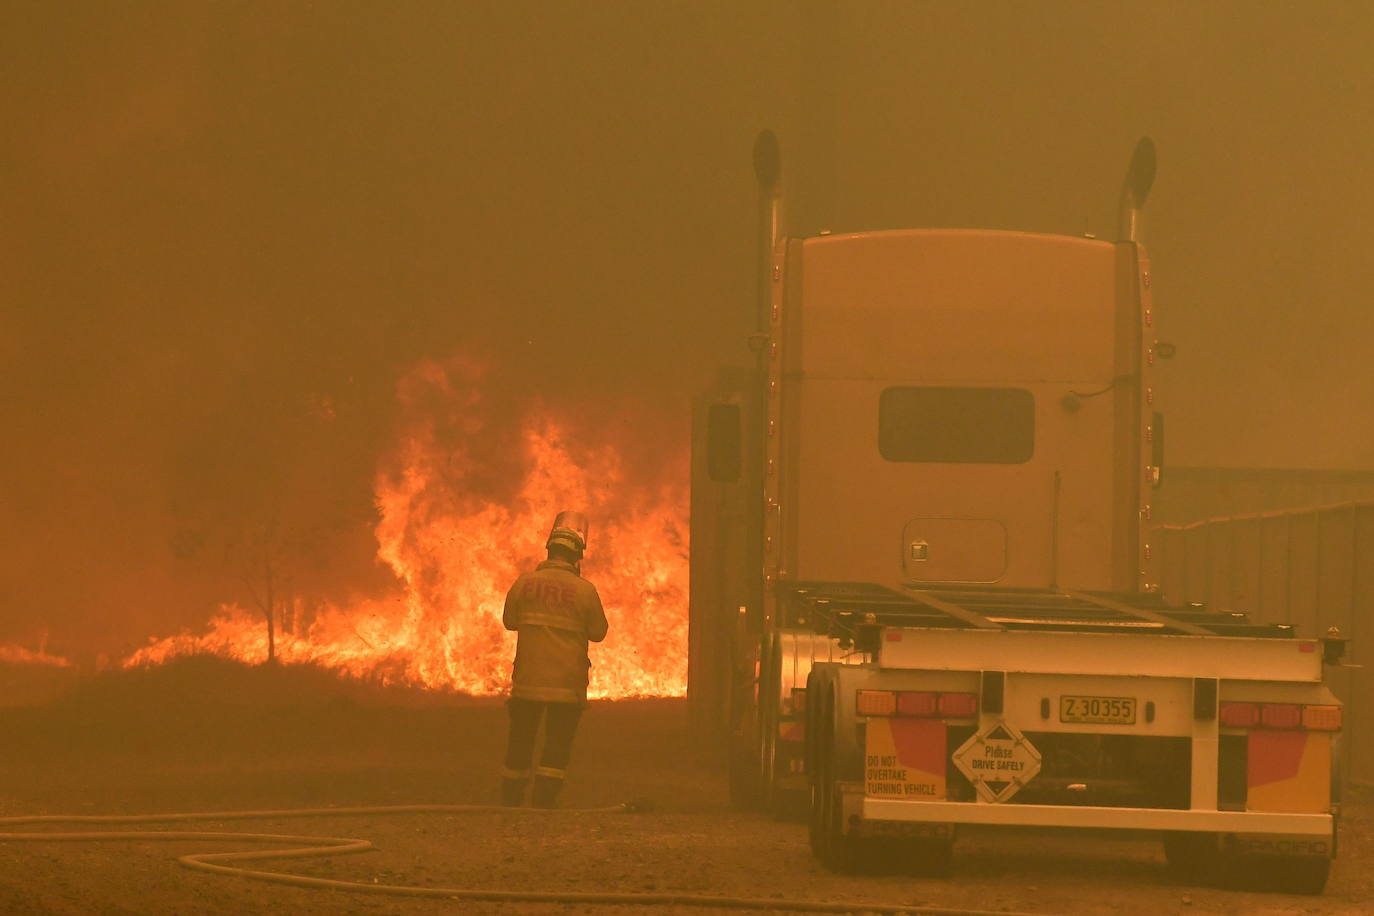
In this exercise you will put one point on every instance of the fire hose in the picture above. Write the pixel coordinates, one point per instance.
(320, 846)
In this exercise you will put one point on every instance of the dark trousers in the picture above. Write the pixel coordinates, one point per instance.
(560, 724)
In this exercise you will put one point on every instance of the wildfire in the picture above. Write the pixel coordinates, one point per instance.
(455, 550)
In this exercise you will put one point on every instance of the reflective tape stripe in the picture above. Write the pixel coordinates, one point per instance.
(549, 772)
(508, 773)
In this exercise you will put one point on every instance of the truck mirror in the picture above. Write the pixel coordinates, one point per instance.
(724, 448)
(1333, 646)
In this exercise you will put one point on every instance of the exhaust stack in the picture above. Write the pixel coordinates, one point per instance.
(1140, 177)
(768, 171)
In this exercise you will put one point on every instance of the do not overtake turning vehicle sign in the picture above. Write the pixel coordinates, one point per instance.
(998, 760)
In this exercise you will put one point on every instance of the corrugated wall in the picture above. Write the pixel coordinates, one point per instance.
(1192, 493)
(1312, 568)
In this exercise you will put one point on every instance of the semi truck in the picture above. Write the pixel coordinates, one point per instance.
(923, 593)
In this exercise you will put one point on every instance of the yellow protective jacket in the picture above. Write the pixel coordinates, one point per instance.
(555, 612)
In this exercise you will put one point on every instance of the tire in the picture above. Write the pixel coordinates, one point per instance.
(1300, 875)
(790, 805)
(783, 803)
(816, 823)
(767, 736)
(836, 850)
(926, 858)
(1197, 858)
(745, 791)
(1193, 858)
(743, 765)
(1278, 874)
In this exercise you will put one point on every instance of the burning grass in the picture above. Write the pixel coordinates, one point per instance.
(206, 679)
(465, 497)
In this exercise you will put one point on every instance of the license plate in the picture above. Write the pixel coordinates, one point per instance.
(1097, 710)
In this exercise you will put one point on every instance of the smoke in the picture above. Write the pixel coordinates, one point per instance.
(231, 229)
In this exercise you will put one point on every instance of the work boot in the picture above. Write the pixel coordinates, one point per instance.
(546, 789)
(513, 791)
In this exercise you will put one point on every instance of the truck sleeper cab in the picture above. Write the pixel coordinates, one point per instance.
(923, 593)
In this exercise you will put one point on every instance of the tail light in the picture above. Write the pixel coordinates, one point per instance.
(922, 703)
(877, 702)
(1280, 715)
(958, 704)
(916, 703)
(1321, 718)
(1239, 715)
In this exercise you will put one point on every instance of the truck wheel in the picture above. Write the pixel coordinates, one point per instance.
(1193, 858)
(1306, 875)
(745, 794)
(789, 805)
(926, 858)
(743, 766)
(1281, 874)
(768, 721)
(836, 850)
(841, 853)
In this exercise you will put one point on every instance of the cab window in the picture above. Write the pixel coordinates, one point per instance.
(958, 425)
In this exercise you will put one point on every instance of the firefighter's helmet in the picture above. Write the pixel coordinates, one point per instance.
(569, 531)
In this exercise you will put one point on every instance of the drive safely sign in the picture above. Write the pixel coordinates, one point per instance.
(998, 760)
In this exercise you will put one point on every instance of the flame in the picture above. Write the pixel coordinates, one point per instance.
(456, 549)
(18, 655)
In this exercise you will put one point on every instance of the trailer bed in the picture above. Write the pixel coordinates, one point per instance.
(838, 608)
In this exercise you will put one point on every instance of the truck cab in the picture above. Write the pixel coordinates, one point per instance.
(923, 593)
(958, 407)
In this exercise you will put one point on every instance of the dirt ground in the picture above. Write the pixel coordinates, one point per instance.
(206, 736)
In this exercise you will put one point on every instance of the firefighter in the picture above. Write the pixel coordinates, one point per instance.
(555, 613)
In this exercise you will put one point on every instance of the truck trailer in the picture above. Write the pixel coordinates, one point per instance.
(923, 594)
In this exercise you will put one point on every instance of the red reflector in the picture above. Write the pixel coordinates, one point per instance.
(1321, 718)
(1307, 647)
(958, 704)
(1281, 715)
(893, 635)
(1239, 715)
(876, 702)
(921, 703)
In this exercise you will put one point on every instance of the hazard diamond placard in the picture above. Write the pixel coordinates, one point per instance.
(998, 760)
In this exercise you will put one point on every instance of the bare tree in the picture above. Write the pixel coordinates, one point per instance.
(266, 555)
(274, 519)
(262, 588)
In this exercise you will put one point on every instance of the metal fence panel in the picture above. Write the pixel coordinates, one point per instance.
(1302, 571)
(1196, 563)
(1311, 568)
(1272, 606)
(1173, 563)
(1359, 738)
(1243, 586)
(1335, 567)
(1219, 548)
